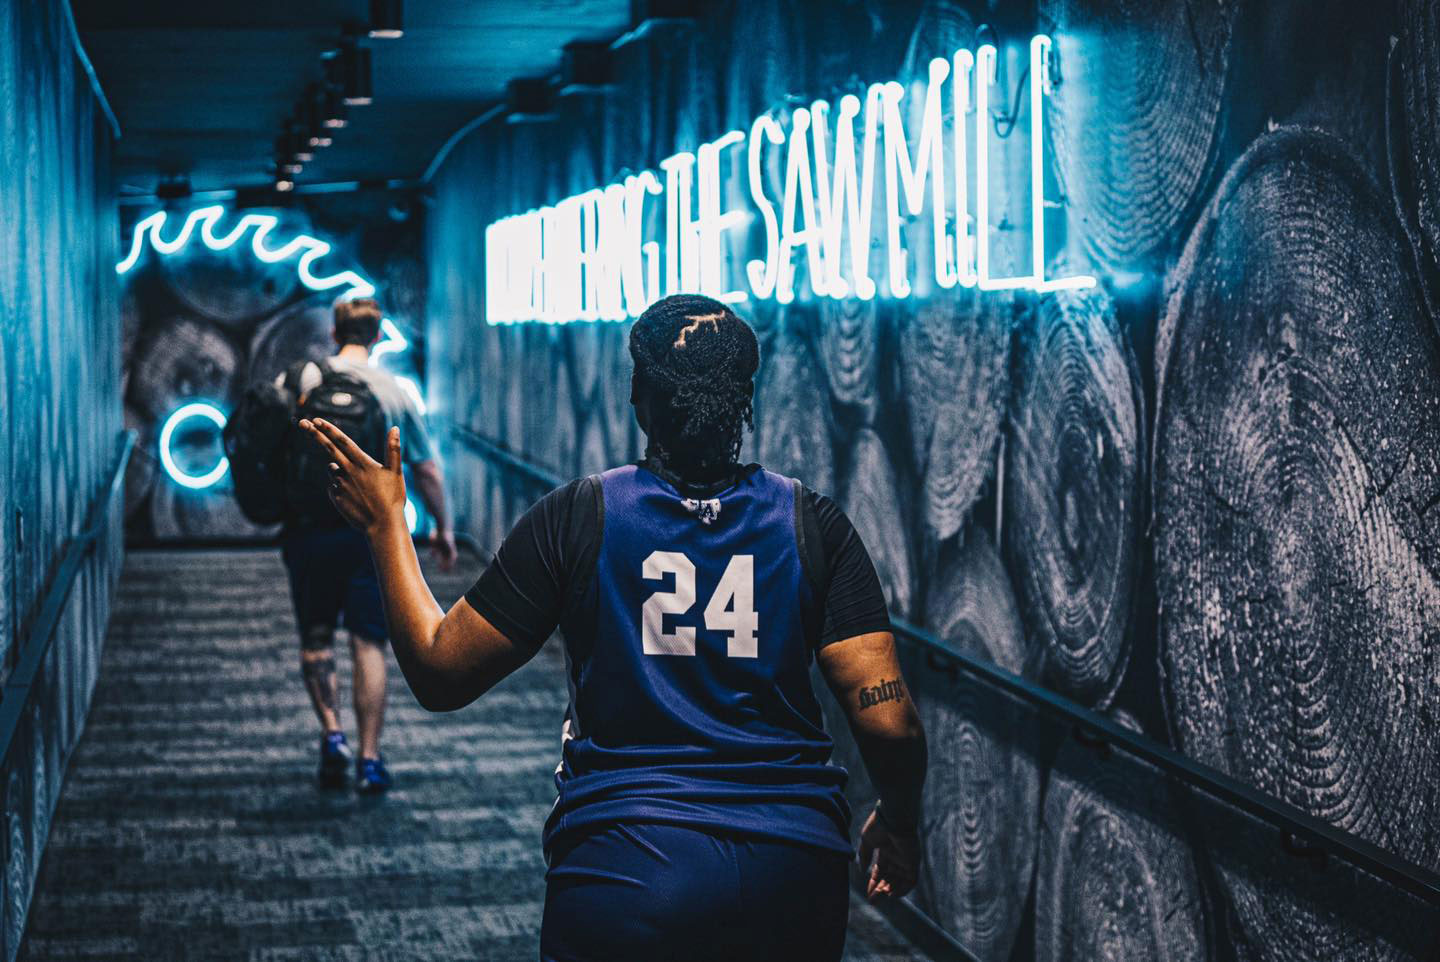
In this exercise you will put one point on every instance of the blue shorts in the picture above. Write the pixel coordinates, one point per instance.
(663, 892)
(333, 581)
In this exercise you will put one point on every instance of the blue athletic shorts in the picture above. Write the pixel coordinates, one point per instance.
(333, 581)
(662, 892)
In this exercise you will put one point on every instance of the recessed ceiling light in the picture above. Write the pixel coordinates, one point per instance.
(334, 112)
(354, 70)
(387, 19)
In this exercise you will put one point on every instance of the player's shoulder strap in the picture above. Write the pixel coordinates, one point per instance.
(597, 493)
(809, 540)
(582, 542)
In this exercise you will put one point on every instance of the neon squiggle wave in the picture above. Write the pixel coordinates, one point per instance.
(205, 218)
(202, 222)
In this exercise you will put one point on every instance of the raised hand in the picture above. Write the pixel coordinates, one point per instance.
(367, 494)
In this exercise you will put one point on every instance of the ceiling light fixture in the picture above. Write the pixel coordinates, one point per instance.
(354, 74)
(285, 159)
(174, 187)
(297, 143)
(387, 19)
(312, 109)
(530, 99)
(334, 112)
(585, 65)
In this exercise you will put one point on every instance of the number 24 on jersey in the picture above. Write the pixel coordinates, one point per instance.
(731, 608)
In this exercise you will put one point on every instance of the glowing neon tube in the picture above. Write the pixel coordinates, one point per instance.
(194, 409)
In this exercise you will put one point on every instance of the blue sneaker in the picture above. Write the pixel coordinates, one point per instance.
(371, 776)
(335, 758)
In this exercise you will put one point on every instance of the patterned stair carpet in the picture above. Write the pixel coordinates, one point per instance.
(190, 825)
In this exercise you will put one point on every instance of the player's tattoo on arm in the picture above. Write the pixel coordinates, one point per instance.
(887, 690)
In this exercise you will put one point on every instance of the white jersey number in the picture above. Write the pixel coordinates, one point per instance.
(731, 608)
(655, 640)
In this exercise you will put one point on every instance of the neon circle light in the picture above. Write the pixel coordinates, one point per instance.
(195, 409)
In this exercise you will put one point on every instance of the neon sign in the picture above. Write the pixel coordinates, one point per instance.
(186, 412)
(587, 257)
(202, 223)
(198, 482)
(205, 219)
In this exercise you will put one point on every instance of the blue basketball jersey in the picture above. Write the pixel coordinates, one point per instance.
(691, 701)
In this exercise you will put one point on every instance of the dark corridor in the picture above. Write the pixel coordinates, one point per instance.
(1110, 329)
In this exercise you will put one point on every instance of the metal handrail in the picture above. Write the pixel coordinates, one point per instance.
(1298, 826)
(1415, 879)
(497, 452)
(16, 693)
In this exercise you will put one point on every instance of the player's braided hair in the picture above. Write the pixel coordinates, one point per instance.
(697, 361)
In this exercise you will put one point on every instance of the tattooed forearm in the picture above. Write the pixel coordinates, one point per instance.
(892, 690)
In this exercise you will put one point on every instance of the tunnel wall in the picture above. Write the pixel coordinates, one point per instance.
(60, 394)
(202, 324)
(1199, 497)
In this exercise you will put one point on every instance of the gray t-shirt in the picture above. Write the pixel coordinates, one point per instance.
(399, 407)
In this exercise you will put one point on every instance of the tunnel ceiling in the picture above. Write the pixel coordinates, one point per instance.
(203, 88)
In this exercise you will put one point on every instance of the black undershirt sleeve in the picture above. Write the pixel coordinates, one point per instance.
(526, 588)
(854, 603)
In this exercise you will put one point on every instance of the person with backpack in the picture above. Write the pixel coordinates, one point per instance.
(332, 573)
(696, 816)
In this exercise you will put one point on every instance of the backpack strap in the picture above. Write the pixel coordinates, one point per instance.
(294, 374)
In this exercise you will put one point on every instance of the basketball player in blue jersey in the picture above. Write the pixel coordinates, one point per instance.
(697, 817)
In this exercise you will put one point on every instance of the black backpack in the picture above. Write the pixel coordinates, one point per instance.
(256, 437)
(346, 401)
